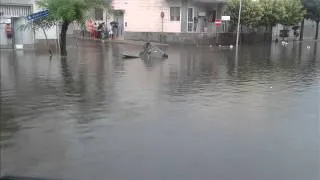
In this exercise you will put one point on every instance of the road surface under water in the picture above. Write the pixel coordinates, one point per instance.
(202, 114)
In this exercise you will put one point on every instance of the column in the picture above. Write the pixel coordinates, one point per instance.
(184, 15)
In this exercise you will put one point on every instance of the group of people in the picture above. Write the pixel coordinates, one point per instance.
(102, 30)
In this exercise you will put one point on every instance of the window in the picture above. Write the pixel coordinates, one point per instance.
(174, 13)
(190, 14)
(212, 16)
(190, 19)
(98, 14)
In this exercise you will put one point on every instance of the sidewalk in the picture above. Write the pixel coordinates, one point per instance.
(121, 41)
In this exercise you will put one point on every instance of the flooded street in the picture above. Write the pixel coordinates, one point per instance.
(201, 114)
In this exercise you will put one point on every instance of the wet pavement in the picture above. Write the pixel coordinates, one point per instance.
(204, 113)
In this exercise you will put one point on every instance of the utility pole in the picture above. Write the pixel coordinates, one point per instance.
(239, 19)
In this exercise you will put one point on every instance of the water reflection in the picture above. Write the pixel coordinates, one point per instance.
(204, 113)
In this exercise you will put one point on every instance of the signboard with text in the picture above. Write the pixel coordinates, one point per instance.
(225, 18)
(38, 15)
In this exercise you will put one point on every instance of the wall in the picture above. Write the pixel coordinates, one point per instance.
(144, 16)
(171, 38)
(51, 33)
(224, 39)
(309, 30)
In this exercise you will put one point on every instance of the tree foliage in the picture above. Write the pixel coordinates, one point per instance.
(70, 10)
(313, 12)
(251, 12)
(270, 13)
(267, 13)
(313, 9)
(66, 12)
(291, 12)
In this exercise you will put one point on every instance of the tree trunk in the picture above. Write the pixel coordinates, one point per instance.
(317, 30)
(63, 38)
(302, 30)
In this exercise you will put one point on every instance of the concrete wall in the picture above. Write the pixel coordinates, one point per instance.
(309, 30)
(224, 39)
(171, 38)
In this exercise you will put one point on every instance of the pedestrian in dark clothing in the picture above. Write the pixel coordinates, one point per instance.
(100, 30)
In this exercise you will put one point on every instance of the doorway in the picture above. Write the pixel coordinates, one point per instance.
(190, 20)
(119, 18)
(21, 36)
(5, 42)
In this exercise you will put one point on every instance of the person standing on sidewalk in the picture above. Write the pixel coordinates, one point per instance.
(90, 27)
(114, 29)
(100, 30)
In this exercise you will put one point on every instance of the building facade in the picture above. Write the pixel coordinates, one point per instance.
(180, 17)
(12, 13)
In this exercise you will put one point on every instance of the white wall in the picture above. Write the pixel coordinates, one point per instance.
(144, 16)
(51, 33)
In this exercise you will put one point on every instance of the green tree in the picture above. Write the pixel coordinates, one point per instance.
(270, 13)
(291, 12)
(42, 24)
(66, 12)
(250, 15)
(313, 12)
(267, 13)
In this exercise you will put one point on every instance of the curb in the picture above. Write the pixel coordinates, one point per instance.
(130, 42)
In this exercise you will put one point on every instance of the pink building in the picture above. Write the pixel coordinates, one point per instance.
(151, 19)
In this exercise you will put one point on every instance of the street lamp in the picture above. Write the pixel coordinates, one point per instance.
(238, 28)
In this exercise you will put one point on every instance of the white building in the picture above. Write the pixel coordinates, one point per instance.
(180, 16)
(12, 12)
(169, 18)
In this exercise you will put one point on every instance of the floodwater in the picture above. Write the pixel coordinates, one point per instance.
(204, 113)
